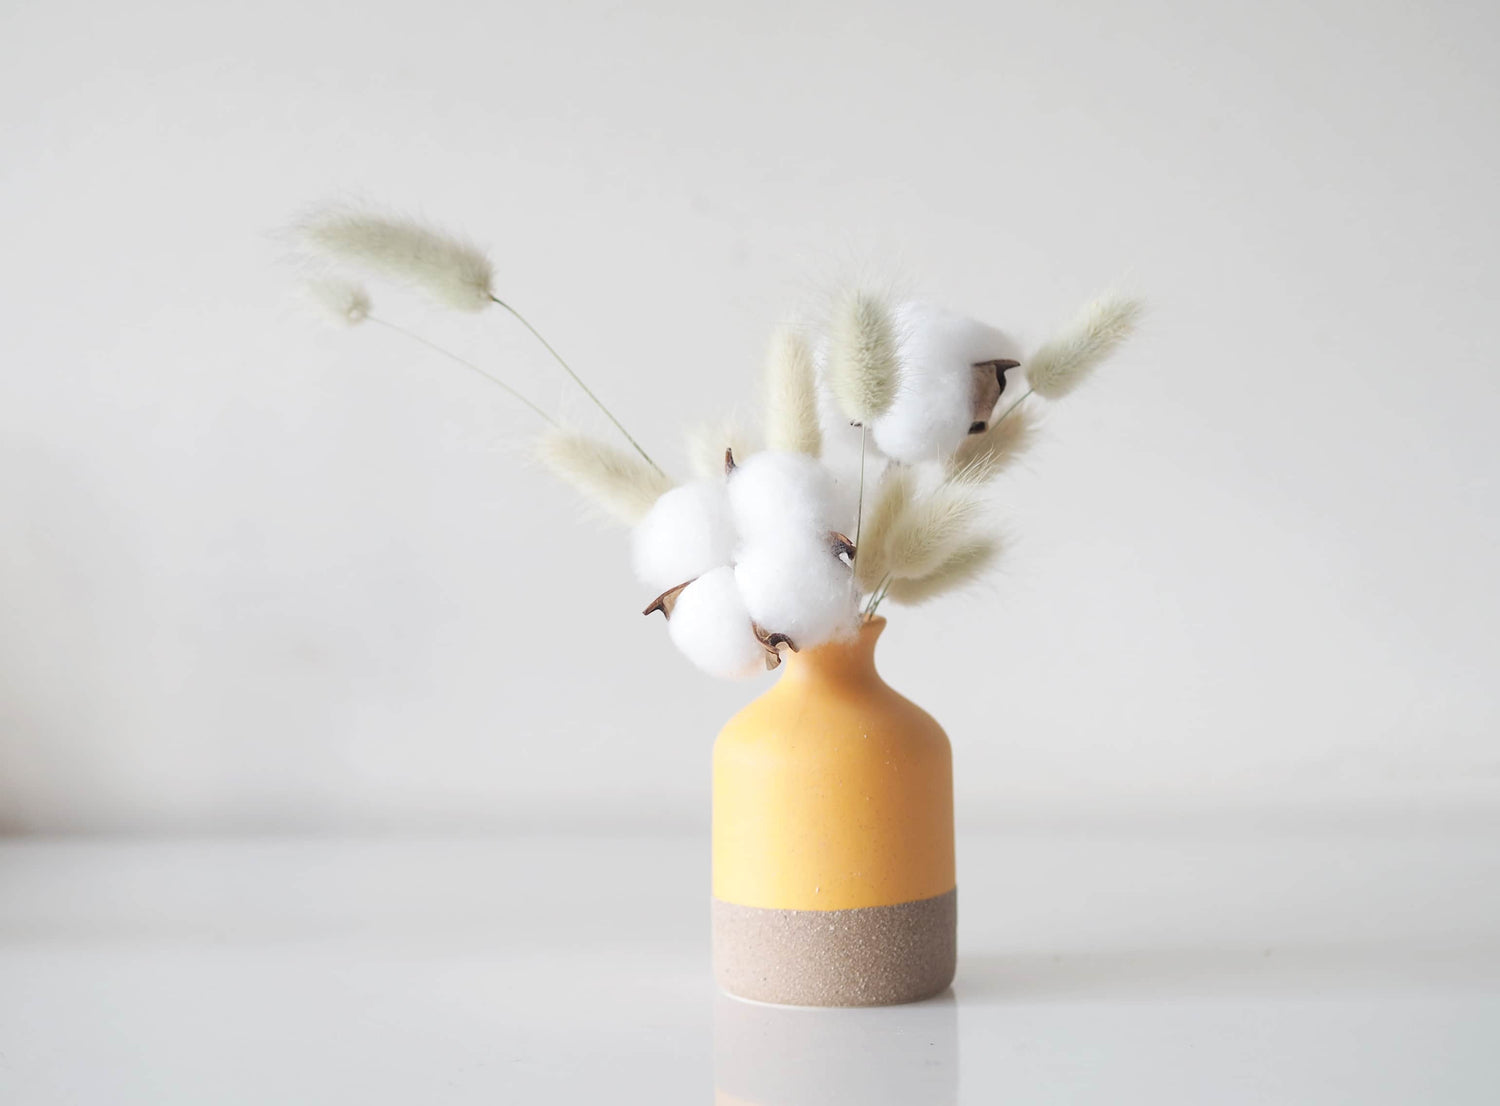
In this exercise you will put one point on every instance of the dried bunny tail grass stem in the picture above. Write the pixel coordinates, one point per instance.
(964, 564)
(707, 442)
(892, 498)
(608, 477)
(791, 395)
(983, 456)
(931, 528)
(456, 359)
(449, 269)
(863, 364)
(342, 301)
(567, 368)
(1066, 359)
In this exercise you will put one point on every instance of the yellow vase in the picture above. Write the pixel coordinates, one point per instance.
(833, 872)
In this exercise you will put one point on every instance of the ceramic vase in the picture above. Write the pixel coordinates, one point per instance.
(833, 867)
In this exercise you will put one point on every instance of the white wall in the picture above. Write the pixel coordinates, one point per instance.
(258, 573)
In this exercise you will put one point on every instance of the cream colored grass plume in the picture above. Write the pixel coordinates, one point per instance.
(622, 484)
(889, 504)
(983, 456)
(451, 270)
(931, 528)
(1066, 359)
(965, 563)
(863, 365)
(340, 300)
(792, 395)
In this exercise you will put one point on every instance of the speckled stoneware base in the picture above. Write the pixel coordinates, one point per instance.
(869, 956)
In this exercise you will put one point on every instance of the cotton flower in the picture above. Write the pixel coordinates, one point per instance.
(948, 382)
(791, 395)
(685, 534)
(342, 301)
(622, 484)
(1068, 358)
(863, 360)
(773, 496)
(449, 269)
(798, 587)
(710, 625)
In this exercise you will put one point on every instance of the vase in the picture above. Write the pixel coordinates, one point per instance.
(833, 867)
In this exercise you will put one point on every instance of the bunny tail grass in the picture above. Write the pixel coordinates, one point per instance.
(452, 271)
(791, 395)
(892, 497)
(863, 363)
(966, 562)
(615, 481)
(983, 456)
(931, 528)
(342, 301)
(1066, 359)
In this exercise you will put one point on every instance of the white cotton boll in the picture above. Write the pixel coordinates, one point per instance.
(775, 494)
(711, 627)
(934, 403)
(686, 533)
(798, 588)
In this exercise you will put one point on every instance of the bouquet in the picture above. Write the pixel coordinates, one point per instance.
(883, 427)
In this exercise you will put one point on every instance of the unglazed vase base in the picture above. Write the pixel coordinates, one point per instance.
(866, 956)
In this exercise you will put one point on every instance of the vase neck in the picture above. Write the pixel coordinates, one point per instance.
(848, 660)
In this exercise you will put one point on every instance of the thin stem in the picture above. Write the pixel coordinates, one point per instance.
(878, 595)
(859, 510)
(415, 337)
(1013, 406)
(535, 333)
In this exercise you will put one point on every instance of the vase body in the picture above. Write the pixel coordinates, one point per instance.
(833, 866)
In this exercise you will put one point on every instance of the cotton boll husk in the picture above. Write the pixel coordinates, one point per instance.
(686, 533)
(799, 588)
(710, 625)
(932, 410)
(777, 495)
(1068, 358)
(449, 269)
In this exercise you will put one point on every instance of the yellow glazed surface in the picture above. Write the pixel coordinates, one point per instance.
(831, 791)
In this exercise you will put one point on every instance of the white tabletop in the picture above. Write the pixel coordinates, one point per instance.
(1220, 961)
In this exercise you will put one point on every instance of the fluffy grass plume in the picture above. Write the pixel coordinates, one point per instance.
(863, 363)
(792, 395)
(343, 301)
(707, 442)
(1066, 359)
(620, 483)
(449, 269)
(983, 456)
(892, 497)
(966, 562)
(931, 529)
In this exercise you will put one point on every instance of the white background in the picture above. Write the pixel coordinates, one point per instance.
(258, 574)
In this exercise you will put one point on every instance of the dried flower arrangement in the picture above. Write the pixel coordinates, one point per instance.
(882, 432)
